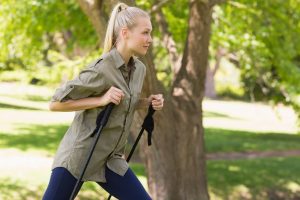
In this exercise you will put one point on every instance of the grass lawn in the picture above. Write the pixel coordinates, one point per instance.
(224, 140)
(30, 134)
(268, 178)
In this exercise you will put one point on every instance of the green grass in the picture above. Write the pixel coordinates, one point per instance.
(20, 189)
(222, 140)
(16, 107)
(47, 137)
(257, 179)
(30, 97)
(34, 137)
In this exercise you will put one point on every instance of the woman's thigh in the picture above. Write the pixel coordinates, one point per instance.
(61, 185)
(126, 187)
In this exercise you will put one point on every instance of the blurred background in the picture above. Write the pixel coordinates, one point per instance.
(252, 90)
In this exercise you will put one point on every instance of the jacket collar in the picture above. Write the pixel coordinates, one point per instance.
(118, 60)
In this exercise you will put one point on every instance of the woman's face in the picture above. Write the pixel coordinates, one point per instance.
(139, 37)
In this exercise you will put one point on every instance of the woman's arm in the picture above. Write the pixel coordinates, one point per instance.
(113, 95)
(75, 105)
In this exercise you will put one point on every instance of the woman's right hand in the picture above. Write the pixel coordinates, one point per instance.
(114, 95)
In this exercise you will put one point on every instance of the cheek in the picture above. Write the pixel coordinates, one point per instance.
(138, 40)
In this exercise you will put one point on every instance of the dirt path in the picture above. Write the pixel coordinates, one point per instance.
(251, 155)
(245, 116)
(14, 159)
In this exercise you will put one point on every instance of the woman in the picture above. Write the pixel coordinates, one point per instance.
(116, 77)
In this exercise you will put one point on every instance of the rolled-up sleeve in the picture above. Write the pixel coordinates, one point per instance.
(88, 83)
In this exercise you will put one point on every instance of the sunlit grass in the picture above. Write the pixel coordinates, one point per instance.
(33, 137)
(224, 140)
(30, 134)
(26, 92)
(255, 179)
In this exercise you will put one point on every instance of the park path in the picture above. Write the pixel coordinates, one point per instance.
(252, 155)
(12, 159)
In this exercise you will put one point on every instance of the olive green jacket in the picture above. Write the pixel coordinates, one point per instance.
(95, 80)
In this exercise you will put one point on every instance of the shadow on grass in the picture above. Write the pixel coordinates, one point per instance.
(17, 107)
(138, 169)
(224, 140)
(37, 98)
(214, 114)
(40, 137)
(92, 191)
(272, 178)
(19, 190)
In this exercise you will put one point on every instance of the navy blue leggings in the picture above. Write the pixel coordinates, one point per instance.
(126, 187)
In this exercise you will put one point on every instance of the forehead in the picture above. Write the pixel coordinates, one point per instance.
(143, 23)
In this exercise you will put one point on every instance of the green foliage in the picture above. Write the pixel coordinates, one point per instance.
(31, 28)
(263, 35)
(63, 68)
(176, 15)
(177, 18)
(41, 39)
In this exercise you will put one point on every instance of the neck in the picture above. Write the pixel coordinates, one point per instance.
(125, 54)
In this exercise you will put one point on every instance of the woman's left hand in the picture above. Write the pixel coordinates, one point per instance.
(157, 101)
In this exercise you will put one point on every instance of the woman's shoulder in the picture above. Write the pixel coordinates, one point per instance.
(99, 64)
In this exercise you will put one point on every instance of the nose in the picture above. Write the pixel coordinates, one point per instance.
(150, 39)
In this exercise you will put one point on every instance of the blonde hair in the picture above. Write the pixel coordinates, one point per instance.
(122, 15)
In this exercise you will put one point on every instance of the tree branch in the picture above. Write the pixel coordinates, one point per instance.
(215, 2)
(168, 41)
(158, 6)
(92, 9)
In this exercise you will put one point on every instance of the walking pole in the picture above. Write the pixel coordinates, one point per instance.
(147, 125)
(101, 121)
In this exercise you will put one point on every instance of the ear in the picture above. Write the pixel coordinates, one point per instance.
(124, 32)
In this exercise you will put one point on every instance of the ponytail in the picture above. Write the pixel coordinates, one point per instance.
(121, 16)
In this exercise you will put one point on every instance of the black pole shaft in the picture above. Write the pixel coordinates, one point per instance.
(149, 114)
(86, 164)
(134, 146)
(132, 150)
(146, 125)
(103, 122)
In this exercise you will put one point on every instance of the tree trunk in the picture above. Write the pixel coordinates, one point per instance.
(94, 10)
(210, 90)
(175, 162)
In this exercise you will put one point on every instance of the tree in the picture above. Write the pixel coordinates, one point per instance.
(266, 51)
(263, 36)
(176, 166)
(29, 29)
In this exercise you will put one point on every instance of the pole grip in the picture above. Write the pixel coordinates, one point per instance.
(106, 114)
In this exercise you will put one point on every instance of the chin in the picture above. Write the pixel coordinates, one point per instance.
(142, 52)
